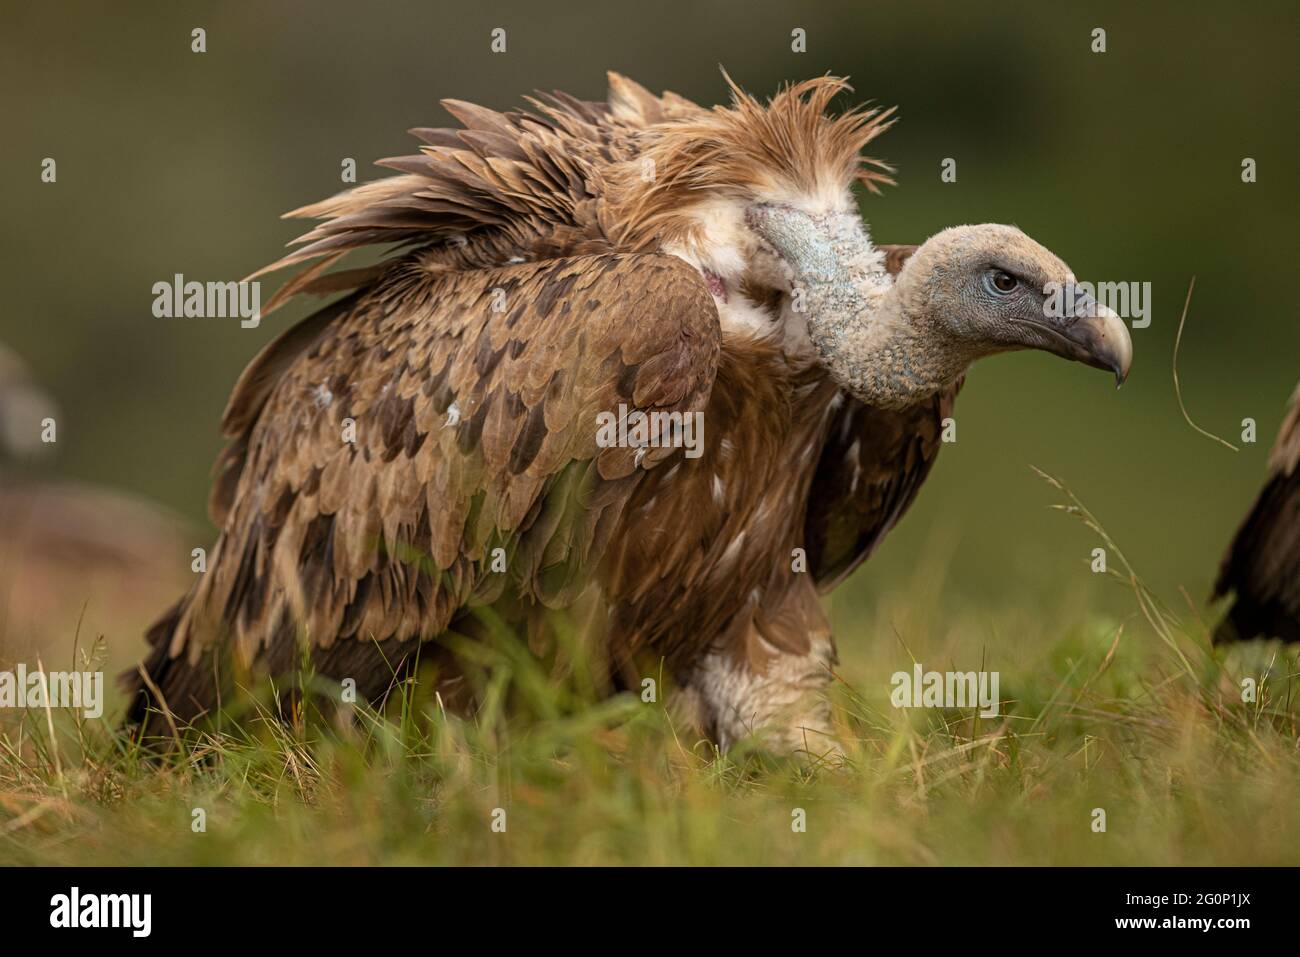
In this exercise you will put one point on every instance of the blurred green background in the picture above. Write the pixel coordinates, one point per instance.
(1126, 163)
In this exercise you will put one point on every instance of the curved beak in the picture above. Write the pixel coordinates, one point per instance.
(1088, 332)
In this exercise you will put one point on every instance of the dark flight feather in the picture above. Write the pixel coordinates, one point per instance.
(1261, 569)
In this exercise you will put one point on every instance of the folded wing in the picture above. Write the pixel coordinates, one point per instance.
(386, 448)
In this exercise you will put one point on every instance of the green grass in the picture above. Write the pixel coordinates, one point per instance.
(1136, 715)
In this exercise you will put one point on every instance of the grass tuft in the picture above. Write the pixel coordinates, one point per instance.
(1141, 718)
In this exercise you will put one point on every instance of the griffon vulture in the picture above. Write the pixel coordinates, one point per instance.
(429, 444)
(1262, 565)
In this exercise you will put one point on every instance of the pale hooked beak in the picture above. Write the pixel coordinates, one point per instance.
(1089, 333)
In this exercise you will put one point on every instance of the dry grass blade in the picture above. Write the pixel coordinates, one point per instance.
(1162, 621)
(1178, 341)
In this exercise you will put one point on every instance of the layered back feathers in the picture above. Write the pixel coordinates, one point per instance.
(576, 177)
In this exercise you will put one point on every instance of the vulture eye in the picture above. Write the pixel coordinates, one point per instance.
(1003, 281)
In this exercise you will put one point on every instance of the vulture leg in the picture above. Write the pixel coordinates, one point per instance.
(766, 681)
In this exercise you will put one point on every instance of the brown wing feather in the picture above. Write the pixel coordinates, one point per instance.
(895, 256)
(515, 184)
(1262, 565)
(872, 465)
(475, 399)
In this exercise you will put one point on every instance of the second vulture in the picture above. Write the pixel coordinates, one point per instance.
(1262, 566)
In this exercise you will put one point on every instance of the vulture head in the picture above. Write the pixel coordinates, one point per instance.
(967, 292)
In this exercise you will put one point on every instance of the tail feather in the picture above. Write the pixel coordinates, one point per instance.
(168, 694)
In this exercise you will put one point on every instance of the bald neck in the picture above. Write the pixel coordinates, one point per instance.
(873, 335)
(884, 355)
